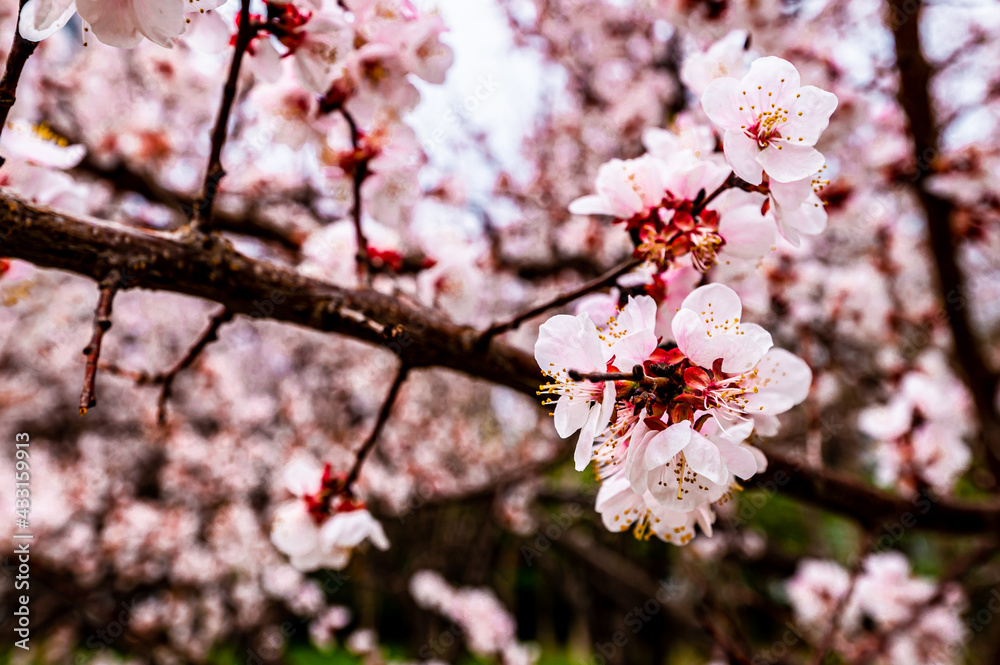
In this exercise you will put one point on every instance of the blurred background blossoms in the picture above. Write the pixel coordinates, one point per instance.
(811, 301)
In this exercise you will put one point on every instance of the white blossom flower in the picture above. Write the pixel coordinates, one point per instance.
(771, 121)
(573, 343)
(621, 507)
(625, 189)
(304, 528)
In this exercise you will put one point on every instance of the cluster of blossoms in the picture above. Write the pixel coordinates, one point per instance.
(683, 198)
(324, 523)
(887, 616)
(671, 418)
(920, 432)
(307, 59)
(667, 424)
(488, 628)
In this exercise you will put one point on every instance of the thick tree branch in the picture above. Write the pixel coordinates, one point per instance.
(914, 98)
(841, 493)
(210, 268)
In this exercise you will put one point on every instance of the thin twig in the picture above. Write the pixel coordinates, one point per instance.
(166, 379)
(202, 214)
(383, 416)
(20, 51)
(606, 279)
(102, 321)
(360, 172)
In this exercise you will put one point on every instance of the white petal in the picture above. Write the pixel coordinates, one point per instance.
(303, 476)
(792, 162)
(293, 530)
(570, 342)
(739, 460)
(714, 301)
(111, 22)
(816, 107)
(742, 154)
(748, 234)
(585, 444)
(773, 75)
(40, 19)
(634, 349)
(722, 101)
(665, 445)
(162, 21)
(592, 205)
(782, 380)
(704, 458)
(570, 415)
(636, 469)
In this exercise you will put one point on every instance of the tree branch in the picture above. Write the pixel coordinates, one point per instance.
(360, 172)
(202, 215)
(914, 98)
(606, 279)
(380, 421)
(210, 268)
(102, 322)
(20, 51)
(210, 334)
(841, 493)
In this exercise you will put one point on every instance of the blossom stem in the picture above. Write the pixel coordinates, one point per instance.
(383, 416)
(20, 51)
(729, 183)
(359, 175)
(102, 322)
(597, 377)
(201, 217)
(599, 282)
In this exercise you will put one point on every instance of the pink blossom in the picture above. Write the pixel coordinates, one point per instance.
(771, 121)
